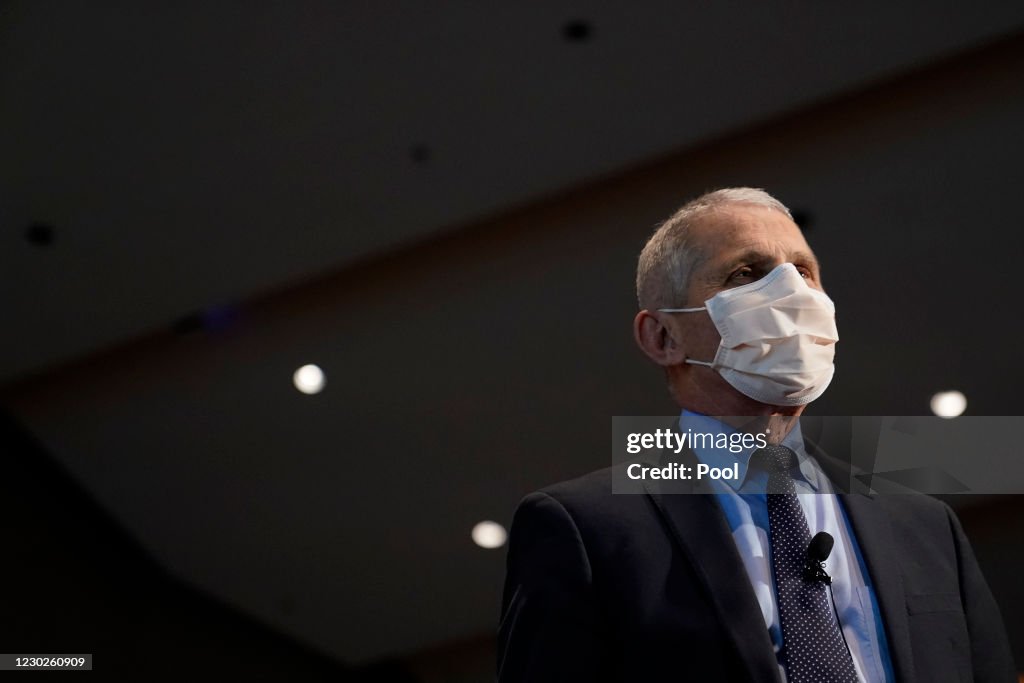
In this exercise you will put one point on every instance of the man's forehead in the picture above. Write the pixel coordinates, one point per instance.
(745, 228)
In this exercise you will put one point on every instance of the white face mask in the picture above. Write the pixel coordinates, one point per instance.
(778, 338)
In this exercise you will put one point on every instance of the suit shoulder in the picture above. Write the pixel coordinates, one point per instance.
(587, 494)
(916, 506)
(593, 484)
(589, 501)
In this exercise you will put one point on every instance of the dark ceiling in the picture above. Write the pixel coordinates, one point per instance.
(441, 207)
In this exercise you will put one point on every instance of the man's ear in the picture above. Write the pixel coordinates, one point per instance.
(656, 340)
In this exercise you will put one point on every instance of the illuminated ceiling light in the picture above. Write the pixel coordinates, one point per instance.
(309, 379)
(488, 534)
(949, 404)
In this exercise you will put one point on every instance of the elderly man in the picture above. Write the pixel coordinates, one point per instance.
(661, 587)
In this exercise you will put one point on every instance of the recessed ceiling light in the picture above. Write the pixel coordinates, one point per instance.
(40, 234)
(420, 153)
(949, 404)
(576, 31)
(488, 534)
(309, 379)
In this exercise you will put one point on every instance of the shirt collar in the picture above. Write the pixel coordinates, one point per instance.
(718, 457)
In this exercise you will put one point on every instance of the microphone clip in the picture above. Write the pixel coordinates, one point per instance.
(815, 571)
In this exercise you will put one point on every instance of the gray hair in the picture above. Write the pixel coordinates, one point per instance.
(668, 259)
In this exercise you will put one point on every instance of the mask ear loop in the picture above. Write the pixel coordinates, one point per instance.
(682, 310)
(689, 310)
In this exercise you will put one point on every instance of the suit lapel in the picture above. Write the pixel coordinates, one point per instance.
(873, 532)
(698, 523)
(874, 535)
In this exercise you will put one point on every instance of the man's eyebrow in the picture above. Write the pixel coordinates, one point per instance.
(806, 258)
(755, 256)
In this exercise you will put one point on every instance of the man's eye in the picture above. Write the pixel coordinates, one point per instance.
(805, 273)
(742, 274)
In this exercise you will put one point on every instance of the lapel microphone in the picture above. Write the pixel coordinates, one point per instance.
(818, 551)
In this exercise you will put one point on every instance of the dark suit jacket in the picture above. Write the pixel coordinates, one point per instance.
(651, 587)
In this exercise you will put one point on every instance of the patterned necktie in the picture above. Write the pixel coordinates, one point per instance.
(813, 647)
